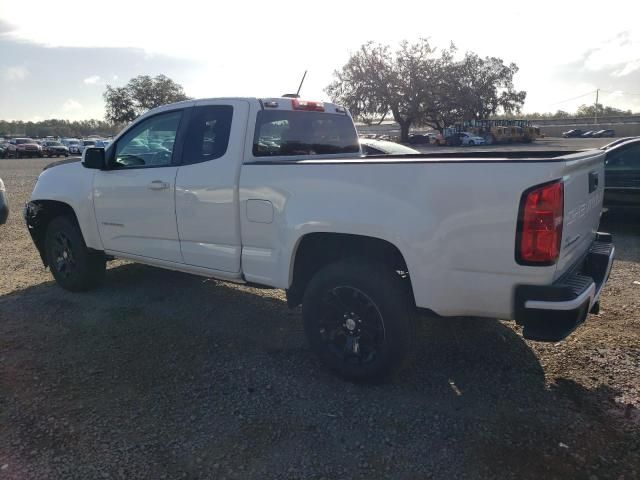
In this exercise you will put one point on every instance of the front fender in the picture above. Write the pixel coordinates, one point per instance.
(71, 184)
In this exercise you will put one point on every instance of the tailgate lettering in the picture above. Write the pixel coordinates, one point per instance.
(581, 210)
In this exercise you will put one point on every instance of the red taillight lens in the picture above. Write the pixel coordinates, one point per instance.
(306, 105)
(540, 225)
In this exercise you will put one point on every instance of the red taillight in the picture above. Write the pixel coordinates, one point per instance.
(540, 225)
(306, 105)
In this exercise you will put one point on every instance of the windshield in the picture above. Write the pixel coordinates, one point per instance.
(54, 144)
(21, 141)
(286, 133)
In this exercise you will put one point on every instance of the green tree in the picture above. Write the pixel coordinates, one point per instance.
(142, 93)
(485, 85)
(418, 85)
(602, 111)
(56, 127)
(376, 82)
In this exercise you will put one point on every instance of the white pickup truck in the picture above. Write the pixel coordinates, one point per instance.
(276, 192)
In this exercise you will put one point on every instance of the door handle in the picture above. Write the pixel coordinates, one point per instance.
(593, 181)
(158, 185)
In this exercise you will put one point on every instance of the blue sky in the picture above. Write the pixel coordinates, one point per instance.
(57, 57)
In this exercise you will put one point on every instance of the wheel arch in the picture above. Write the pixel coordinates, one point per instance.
(39, 213)
(314, 250)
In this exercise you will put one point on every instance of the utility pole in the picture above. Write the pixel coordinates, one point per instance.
(596, 117)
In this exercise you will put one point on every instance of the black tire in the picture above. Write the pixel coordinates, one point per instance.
(73, 265)
(471, 143)
(359, 320)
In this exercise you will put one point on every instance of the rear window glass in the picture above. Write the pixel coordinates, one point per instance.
(288, 133)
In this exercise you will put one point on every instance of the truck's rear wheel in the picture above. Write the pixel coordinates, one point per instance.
(73, 265)
(358, 319)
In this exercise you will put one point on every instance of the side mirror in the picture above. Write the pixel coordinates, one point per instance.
(94, 157)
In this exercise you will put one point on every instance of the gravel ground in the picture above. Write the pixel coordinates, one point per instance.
(164, 375)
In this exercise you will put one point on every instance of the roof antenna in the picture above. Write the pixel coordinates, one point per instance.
(297, 94)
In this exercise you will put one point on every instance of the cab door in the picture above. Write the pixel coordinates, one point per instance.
(207, 205)
(135, 198)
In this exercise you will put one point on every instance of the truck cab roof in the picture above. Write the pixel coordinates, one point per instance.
(275, 103)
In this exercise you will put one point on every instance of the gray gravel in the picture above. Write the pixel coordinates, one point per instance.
(163, 375)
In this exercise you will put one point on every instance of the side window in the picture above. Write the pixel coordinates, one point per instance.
(624, 159)
(148, 144)
(208, 135)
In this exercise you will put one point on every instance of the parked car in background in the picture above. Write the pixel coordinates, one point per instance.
(418, 138)
(470, 139)
(622, 175)
(4, 204)
(604, 133)
(573, 133)
(383, 147)
(102, 143)
(588, 133)
(26, 147)
(432, 136)
(617, 142)
(73, 144)
(54, 149)
(453, 138)
(7, 150)
(86, 143)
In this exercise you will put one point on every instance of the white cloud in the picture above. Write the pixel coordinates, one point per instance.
(320, 50)
(92, 80)
(616, 94)
(620, 51)
(70, 105)
(16, 73)
(628, 68)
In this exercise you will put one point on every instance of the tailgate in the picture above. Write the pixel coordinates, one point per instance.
(583, 178)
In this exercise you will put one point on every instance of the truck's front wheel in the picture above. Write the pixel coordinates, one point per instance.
(358, 319)
(73, 265)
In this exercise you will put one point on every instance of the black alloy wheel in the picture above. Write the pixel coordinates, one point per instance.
(359, 318)
(351, 326)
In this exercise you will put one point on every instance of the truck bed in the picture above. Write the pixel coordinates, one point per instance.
(480, 156)
(453, 216)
